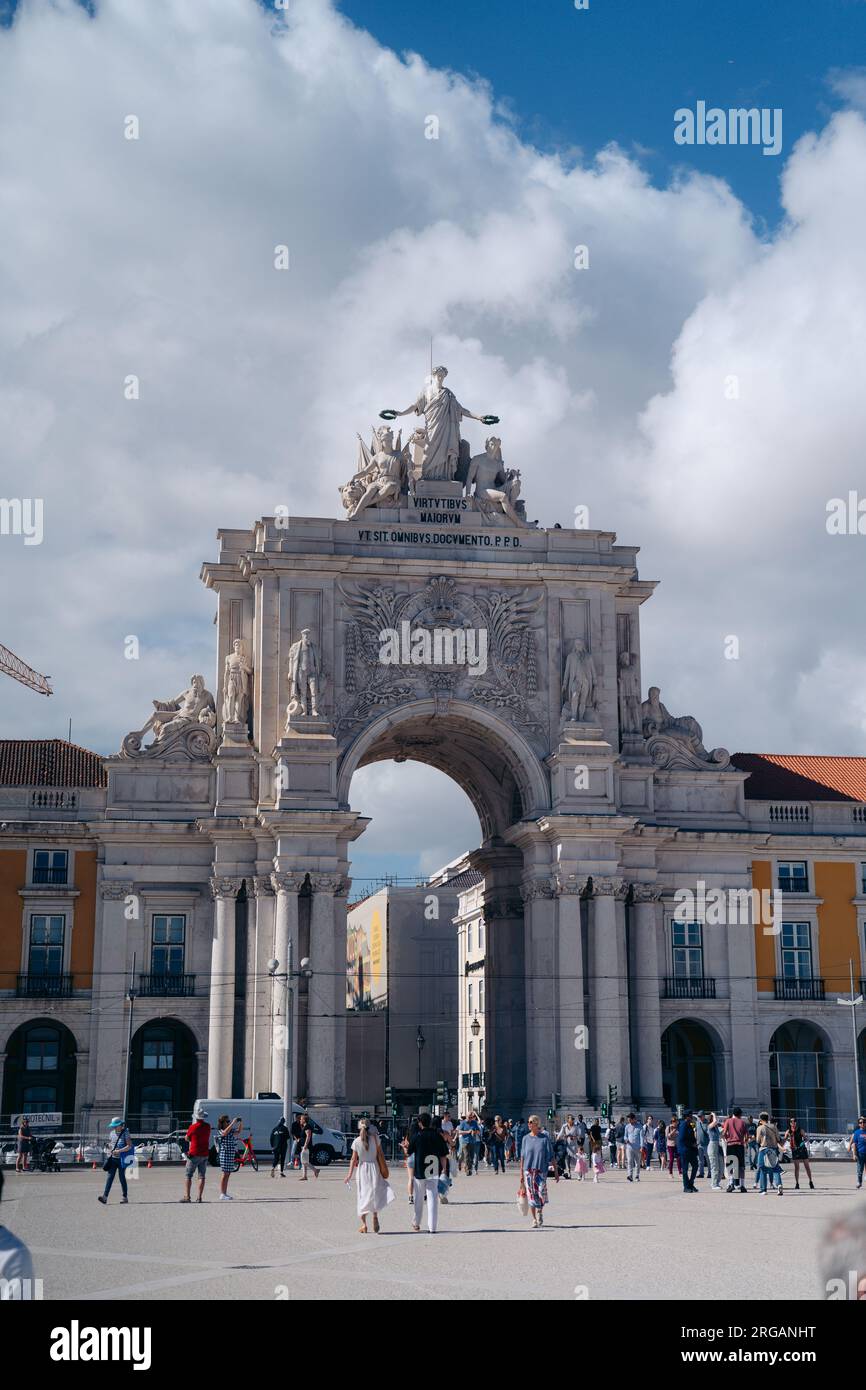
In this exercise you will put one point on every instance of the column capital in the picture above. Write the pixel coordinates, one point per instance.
(115, 889)
(571, 884)
(225, 887)
(647, 892)
(502, 907)
(537, 888)
(285, 881)
(338, 884)
(608, 887)
(262, 886)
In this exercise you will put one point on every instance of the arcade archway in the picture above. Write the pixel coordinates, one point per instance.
(800, 1057)
(691, 1066)
(40, 1070)
(163, 1077)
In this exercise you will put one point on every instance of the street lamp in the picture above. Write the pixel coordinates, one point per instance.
(852, 1005)
(475, 1027)
(287, 976)
(420, 1040)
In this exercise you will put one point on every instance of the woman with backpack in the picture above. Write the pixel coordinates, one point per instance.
(120, 1156)
(279, 1145)
(799, 1152)
(769, 1167)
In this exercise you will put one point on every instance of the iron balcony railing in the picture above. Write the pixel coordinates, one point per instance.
(43, 986)
(792, 987)
(174, 986)
(50, 875)
(689, 987)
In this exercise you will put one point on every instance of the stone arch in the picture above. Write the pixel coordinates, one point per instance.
(41, 1067)
(163, 1073)
(488, 758)
(801, 1059)
(693, 1064)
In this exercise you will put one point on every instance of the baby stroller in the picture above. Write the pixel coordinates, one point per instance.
(560, 1158)
(42, 1155)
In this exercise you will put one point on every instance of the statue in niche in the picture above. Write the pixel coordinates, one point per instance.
(630, 717)
(304, 674)
(578, 683)
(494, 484)
(237, 683)
(442, 415)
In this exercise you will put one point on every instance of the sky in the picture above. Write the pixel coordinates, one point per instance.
(697, 385)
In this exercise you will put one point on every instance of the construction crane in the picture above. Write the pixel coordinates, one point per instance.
(12, 665)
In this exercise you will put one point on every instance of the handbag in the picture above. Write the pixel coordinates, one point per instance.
(381, 1164)
(112, 1157)
(522, 1202)
(127, 1160)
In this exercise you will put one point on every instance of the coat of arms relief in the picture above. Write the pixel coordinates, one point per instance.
(441, 642)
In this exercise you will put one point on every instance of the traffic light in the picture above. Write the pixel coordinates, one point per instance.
(612, 1096)
(389, 1096)
(604, 1109)
(550, 1112)
(441, 1093)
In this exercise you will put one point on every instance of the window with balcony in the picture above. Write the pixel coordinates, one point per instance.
(50, 866)
(688, 950)
(47, 931)
(168, 944)
(793, 876)
(796, 951)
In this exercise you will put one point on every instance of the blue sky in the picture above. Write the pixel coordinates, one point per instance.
(618, 71)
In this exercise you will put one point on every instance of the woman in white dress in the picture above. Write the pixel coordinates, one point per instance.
(374, 1191)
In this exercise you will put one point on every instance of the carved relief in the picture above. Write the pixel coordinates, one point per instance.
(443, 642)
(676, 743)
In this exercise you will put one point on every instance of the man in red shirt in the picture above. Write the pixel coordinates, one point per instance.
(198, 1135)
(734, 1132)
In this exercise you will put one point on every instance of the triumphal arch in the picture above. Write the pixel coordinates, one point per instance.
(432, 621)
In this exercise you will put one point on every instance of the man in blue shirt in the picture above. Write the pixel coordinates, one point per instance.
(468, 1134)
(687, 1148)
(857, 1147)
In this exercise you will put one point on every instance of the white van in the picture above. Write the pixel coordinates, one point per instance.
(260, 1117)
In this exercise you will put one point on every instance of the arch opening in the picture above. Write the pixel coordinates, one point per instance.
(800, 1057)
(691, 1066)
(40, 1072)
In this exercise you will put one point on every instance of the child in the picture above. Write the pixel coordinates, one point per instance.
(582, 1165)
(597, 1160)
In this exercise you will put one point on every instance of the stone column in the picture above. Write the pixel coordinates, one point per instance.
(260, 949)
(541, 991)
(571, 1021)
(221, 1029)
(108, 1046)
(609, 1036)
(504, 1005)
(646, 899)
(326, 1013)
(286, 886)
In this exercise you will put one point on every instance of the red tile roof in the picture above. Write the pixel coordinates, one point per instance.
(49, 762)
(802, 777)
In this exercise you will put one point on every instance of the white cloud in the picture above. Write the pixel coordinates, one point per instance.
(155, 257)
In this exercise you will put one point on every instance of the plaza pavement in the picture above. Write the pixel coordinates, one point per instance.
(282, 1239)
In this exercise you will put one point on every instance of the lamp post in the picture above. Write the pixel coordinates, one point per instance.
(852, 1005)
(287, 977)
(130, 994)
(420, 1040)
